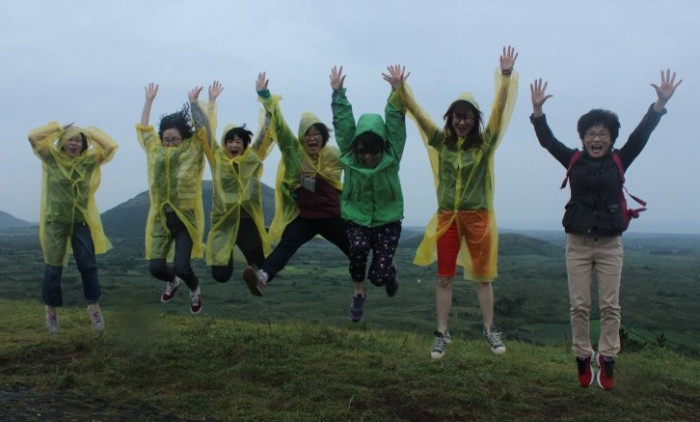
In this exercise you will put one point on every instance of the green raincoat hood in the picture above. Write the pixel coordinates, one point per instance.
(371, 123)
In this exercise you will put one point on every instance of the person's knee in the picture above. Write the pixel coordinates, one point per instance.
(157, 267)
(445, 282)
(220, 275)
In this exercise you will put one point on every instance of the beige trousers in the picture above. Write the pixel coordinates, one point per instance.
(584, 254)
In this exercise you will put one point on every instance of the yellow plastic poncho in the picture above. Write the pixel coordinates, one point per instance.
(464, 180)
(295, 162)
(236, 188)
(174, 181)
(68, 188)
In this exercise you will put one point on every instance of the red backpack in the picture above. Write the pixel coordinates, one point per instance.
(628, 213)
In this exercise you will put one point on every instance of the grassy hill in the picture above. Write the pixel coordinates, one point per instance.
(159, 366)
(8, 221)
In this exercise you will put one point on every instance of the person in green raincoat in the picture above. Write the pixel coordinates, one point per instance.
(307, 194)
(372, 200)
(237, 215)
(464, 228)
(175, 158)
(69, 219)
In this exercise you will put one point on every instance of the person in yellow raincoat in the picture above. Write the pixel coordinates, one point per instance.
(464, 227)
(175, 157)
(69, 218)
(307, 194)
(236, 215)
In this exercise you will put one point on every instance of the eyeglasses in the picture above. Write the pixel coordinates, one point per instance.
(463, 117)
(372, 153)
(311, 135)
(600, 135)
(172, 140)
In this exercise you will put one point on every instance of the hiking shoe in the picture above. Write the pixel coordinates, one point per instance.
(585, 371)
(195, 301)
(606, 378)
(98, 322)
(52, 321)
(170, 289)
(493, 338)
(392, 286)
(357, 308)
(440, 344)
(255, 279)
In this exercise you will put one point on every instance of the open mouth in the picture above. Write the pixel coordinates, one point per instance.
(596, 148)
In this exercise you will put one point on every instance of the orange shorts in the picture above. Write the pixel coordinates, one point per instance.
(474, 226)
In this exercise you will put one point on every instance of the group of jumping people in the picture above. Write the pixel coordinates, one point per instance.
(360, 213)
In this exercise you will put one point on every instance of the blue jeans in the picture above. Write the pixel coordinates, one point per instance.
(84, 254)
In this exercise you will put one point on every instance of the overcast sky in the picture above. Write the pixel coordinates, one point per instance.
(87, 62)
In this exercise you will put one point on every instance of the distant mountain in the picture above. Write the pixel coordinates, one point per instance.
(8, 221)
(509, 244)
(128, 219)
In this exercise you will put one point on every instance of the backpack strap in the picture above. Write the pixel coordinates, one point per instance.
(621, 170)
(574, 158)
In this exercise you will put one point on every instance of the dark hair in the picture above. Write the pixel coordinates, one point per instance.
(370, 141)
(83, 140)
(325, 133)
(244, 134)
(179, 120)
(475, 138)
(598, 116)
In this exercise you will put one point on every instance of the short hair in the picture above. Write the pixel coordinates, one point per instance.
(370, 141)
(83, 140)
(240, 131)
(179, 120)
(474, 137)
(598, 116)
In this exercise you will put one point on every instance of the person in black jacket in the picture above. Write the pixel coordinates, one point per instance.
(594, 220)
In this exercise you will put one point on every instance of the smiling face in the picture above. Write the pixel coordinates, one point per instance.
(597, 141)
(463, 119)
(171, 137)
(73, 146)
(234, 146)
(368, 157)
(313, 140)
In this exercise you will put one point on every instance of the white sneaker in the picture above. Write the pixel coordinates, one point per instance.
(195, 301)
(255, 279)
(98, 321)
(170, 289)
(52, 321)
(440, 344)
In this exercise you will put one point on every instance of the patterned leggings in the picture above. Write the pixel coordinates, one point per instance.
(382, 241)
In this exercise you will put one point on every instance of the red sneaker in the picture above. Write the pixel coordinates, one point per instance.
(170, 289)
(585, 371)
(606, 378)
(195, 301)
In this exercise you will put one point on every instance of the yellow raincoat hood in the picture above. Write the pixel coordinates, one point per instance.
(68, 187)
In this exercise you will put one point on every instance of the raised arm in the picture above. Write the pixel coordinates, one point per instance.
(43, 137)
(395, 119)
(665, 90)
(343, 118)
(106, 146)
(284, 136)
(538, 96)
(263, 141)
(641, 134)
(151, 90)
(214, 91)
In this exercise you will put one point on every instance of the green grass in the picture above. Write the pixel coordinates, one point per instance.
(154, 365)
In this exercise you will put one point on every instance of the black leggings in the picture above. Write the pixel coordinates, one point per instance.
(183, 251)
(300, 231)
(249, 243)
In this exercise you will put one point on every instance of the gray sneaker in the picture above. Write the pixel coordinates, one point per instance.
(52, 321)
(440, 344)
(255, 279)
(96, 318)
(493, 338)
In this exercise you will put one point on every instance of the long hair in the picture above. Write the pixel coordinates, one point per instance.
(475, 138)
(179, 120)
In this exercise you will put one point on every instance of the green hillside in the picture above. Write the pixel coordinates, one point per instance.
(159, 366)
